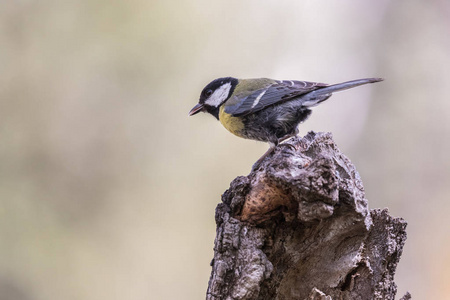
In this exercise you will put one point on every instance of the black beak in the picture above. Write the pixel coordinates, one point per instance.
(196, 109)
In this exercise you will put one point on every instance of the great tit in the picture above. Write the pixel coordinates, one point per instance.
(265, 109)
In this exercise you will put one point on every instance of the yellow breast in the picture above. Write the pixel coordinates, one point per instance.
(232, 124)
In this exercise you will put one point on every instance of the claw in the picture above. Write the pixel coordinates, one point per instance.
(284, 139)
(293, 148)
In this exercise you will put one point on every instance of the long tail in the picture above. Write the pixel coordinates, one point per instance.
(315, 97)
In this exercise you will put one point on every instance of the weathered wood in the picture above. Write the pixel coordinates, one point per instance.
(299, 227)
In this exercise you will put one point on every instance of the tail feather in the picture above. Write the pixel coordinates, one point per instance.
(315, 97)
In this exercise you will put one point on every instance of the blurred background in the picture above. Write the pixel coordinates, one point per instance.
(108, 189)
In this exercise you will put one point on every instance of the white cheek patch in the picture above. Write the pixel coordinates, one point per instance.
(219, 95)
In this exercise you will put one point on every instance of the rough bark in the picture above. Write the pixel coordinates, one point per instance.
(298, 227)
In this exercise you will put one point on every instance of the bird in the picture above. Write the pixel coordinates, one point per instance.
(264, 109)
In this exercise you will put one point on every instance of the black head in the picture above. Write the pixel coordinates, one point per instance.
(214, 95)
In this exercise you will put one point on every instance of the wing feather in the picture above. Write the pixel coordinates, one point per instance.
(281, 91)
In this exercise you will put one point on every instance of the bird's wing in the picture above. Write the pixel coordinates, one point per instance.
(280, 91)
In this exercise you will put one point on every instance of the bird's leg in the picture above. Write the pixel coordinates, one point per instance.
(259, 161)
(282, 141)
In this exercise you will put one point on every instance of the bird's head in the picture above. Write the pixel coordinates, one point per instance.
(214, 95)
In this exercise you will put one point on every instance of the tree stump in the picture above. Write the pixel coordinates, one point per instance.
(299, 227)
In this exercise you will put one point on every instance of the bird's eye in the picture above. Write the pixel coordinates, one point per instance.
(208, 93)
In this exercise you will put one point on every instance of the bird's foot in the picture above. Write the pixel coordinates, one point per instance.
(292, 147)
(283, 142)
(260, 160)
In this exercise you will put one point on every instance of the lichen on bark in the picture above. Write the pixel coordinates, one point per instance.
(299, 227)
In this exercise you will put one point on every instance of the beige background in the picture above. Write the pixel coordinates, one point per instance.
(108, 189)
